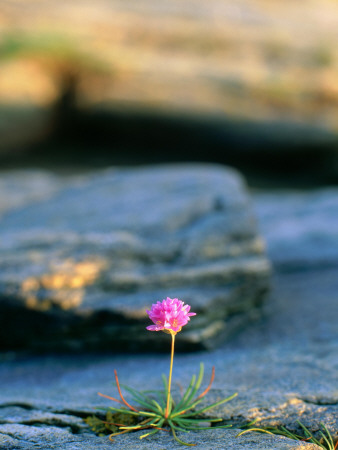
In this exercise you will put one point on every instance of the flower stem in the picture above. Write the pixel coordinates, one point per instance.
(170, 373)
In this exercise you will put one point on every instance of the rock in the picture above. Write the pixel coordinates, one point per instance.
(244, 144)
(22, 127)
(263, 75)
(260, 102)
(301, 228)
(21, 437)
(284, 368)
(283, 372)
(82, 257)
(22, 188)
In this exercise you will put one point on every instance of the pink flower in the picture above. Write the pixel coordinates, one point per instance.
(170, 314)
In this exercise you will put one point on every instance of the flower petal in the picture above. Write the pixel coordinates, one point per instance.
(170, 314)
(155, 328)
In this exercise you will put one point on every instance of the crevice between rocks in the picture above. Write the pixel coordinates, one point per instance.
(25, 406)
(15, 436)
(238, 422)
(319, 401)
(48, 418)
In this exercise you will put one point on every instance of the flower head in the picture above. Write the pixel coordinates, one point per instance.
(170, 314)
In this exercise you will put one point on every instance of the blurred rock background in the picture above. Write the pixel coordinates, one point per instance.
(252, 84)
(89, 86)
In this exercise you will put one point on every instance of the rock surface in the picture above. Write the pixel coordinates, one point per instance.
(128, 82)
(301, 228)
(53, 438)
(283, 367)
(82, 257)
(237, 60)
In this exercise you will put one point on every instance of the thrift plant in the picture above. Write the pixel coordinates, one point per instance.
(325, 441)
(157, 410)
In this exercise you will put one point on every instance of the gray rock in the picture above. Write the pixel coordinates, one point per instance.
(22, 188)
(284, 368)
(300, 228)
(82, 257)
(22, 127)
(25, 438)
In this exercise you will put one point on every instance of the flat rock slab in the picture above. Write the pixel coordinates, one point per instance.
(28, 437)
(300, 228)
(82, 257)
(283, 368)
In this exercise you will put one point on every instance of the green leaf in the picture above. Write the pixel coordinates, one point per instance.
(198, 383)
(160, 410)
(260, 430)
(165, 383)
(325, 439)
(149, 434)
(139, 397)
(187, 407)
(181, 404)
(203, 419)
(208, 428)
(331, 443)
(308, 434)
(158, 425)
(177, 426)
(180, 441)
(327, 443)
(284, 432)
(200, 411)
(134, 413)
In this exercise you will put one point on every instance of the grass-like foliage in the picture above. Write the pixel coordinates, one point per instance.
(153, 414)
(325, 441)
